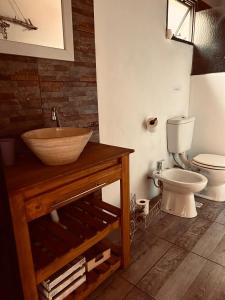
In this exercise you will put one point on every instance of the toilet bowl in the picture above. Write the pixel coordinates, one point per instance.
(179, 187)
(213, 167)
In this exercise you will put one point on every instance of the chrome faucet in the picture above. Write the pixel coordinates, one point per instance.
(54, 214)
(159, 166)
(55, 116)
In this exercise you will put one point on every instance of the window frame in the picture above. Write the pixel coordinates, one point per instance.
(190, 4)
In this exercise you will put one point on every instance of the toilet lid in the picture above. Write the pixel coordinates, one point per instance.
(210, 160)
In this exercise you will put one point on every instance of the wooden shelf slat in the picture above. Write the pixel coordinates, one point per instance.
(104, 205)
(41, 259)
(95, 212)
(74, 226)
(68, 237)
(49, 241)
(86, 218)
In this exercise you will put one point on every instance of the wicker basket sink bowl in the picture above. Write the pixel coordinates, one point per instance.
(57, 146)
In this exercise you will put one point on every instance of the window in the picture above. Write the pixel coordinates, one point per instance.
(180, 20)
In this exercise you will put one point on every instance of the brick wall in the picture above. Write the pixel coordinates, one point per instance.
(29, 87)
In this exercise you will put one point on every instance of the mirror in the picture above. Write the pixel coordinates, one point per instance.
(42, 28)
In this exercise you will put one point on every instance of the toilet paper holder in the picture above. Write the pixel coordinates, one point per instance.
(151, 123)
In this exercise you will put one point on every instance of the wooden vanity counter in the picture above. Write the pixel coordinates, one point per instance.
(35, 190)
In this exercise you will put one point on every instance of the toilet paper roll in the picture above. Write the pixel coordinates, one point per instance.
(143, 205)
(169, 34)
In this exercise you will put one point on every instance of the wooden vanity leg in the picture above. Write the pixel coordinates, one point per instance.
(23, 246)
(125, 212)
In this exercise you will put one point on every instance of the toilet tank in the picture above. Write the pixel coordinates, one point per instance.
(179, 134)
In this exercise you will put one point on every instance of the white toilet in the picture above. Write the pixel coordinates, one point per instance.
(179, 187)
(179, 139)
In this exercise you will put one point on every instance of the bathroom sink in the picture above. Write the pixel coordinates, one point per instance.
(57, 146)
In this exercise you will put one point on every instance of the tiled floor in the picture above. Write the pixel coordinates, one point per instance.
(174, 259)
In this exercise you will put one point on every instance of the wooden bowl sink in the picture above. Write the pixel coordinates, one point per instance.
(57, 146)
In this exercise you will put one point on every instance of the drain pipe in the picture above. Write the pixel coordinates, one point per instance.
(184, 160)
(179, 165)
(157, 184)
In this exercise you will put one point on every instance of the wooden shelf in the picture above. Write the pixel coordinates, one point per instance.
(83, 224)
(96, 277)
(43, 247)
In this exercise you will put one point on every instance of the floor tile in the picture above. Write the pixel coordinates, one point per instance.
(158, 275)
(149, 252)
(210, 240)
(193, 233)
(136, 294)
(209, 202)
(179, 282)
(142, 242)
(209, 284)
(218, 255)
(170, 227)
(211, 209)
(116, 288)
(221, 217)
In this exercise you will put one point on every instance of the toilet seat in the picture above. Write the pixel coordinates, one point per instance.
(207, 167)
(210, 161)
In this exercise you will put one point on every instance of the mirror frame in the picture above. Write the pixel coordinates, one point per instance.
(17, 48)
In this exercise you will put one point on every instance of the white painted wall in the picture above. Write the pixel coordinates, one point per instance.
(140, 74)
(207, 104)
